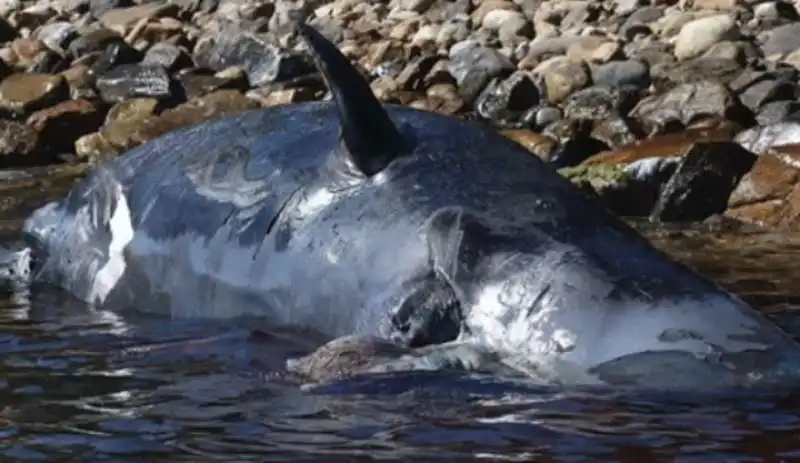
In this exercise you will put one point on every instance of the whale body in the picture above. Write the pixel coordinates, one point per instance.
(359, 219)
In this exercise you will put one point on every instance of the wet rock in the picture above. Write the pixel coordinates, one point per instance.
(537, 143)
(135, 81)
(473, 66)
(633, 73)
(263, 62)
(61, 125)
(759, 139)
(699, 35)
(562, 77)
(22, 93)
(688, 103)
(505, 102)
(768, 194)
(703, 182)
(662, 146)
(19, 144)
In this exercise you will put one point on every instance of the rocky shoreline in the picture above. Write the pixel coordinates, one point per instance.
(674, 110)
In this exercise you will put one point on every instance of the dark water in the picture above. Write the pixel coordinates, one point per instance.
(77, 385)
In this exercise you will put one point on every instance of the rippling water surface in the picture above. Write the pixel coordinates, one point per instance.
(77, 385)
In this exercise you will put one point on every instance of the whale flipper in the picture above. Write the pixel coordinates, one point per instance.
(370, 139)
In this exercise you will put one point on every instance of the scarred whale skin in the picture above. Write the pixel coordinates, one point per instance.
(358, 219)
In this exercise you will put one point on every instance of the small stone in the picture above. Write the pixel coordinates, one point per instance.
(134, 81)
(280, 97)
(99, 7)
(444, 98)
(121, 20)
(57, 36)
(213, 106)
(91, 41)
(506, 101)
(634, 73)
(473, 66)
(264, 62)
(125, 118)
(596, 50)
(116, 53)
(546, 115)
(507, 22)
(540, 145)
(94, 148)
(21, 93)
(776, 111)
(562, 76)
(699, 35)
(780, 40)
(760, 139)
(667, 75)
(689, 103)
(197, 84)
(17, 140)
(61, 125)
(598, 103)
(168, 56)
(768, 194)
(615, 131)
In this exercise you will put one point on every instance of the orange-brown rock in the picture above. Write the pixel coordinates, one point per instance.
(670, 145)
(769, 194)
(62, 124)
(538, 144)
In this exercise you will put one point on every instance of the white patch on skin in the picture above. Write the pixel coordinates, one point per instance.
(120, 228)
(571, 331)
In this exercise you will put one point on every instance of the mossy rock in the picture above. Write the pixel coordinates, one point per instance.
(598, 176)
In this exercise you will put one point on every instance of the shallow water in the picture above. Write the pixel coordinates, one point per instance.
(77, 385)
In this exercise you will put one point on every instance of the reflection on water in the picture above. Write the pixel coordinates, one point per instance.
(77, 385)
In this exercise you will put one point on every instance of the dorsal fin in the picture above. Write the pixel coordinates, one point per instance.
(369, 137)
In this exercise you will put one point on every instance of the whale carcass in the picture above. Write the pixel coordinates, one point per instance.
(372, 221)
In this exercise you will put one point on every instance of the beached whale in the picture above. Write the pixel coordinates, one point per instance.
(375, 221)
